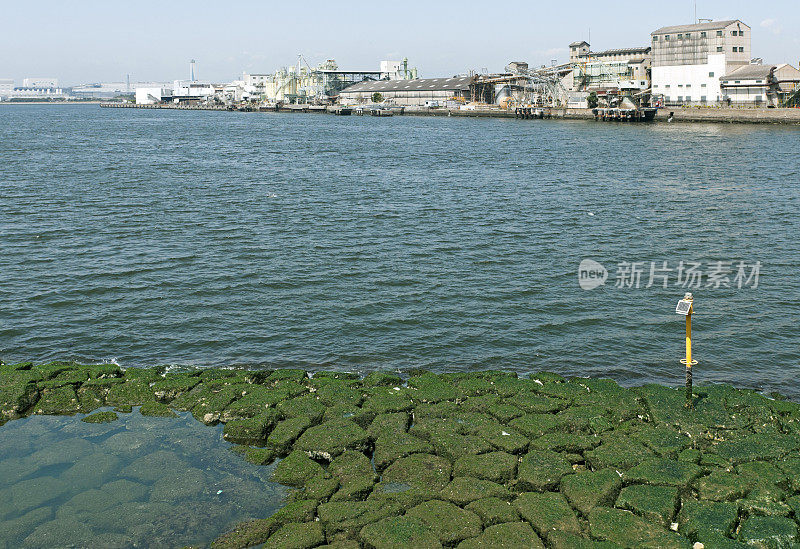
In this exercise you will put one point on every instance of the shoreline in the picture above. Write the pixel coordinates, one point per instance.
(467, 459)
(712, 115)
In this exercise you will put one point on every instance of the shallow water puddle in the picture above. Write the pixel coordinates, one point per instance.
(135, 482)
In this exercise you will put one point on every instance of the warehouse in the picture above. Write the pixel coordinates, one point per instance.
(410, 93)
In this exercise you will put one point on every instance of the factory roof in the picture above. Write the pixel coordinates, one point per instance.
(582, 42)
(750, 72)
(637, 49)
(709, 25)
(420, 84)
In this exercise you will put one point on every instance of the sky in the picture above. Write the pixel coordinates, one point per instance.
(84, 41)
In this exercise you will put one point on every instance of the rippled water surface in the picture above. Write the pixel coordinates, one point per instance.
(135, 482)
(213, 238)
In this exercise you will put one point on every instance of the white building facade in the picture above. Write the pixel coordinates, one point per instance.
(152, 95)
(689, 60)
(6, 88)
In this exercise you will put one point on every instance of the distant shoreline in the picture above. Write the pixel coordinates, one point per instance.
(98, 102)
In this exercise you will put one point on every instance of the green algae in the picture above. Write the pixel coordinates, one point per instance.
(101, 417)
(576, 463)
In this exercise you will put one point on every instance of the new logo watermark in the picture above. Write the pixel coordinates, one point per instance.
(684, 274)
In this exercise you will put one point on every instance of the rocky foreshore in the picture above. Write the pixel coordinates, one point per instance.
(469, 460)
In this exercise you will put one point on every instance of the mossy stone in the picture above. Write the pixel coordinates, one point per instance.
(663, 472)
(453, 446)
(390, 447)
(565, 442)
(296, 470)
(298, 535)
(765, 499)
(541, 470)
(758, 446)
(534, 425)
(589, 489)
(337, 394)
(173, 385)
(384, 400)
(495, 466)
(130, 393)
(399, 533)
(180, 486)
(381, 379)
(156, 409)
(653, 503)
(548, 513)
(286, 432)
(260, 456)
(510, 535)
(431, 388)
(626, 529)
(388, 424)
(572, 541)
(256, 532)
(465, 490)
(354, 472)
(423, 470)
(791, 467)
(30, 494)
(689, 455)
(101, 417)
(252, 430)
(503, 438)
(331, 438)
(722, 486)
(347, 518)
(256, 401)
(769, 532)
(308, 406)
(60, 400)
(493, 511)
(147, 375)
(702, 519)
(214, 399)
(150, 467)
(449, 523)
(619, 452)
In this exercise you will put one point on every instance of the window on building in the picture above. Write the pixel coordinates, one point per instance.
(758, 81)
(703, 86)
(667, 86)
(703, 35)
(688, 98)
(734, 33)
(719, 48)
(666, 37)
(655, 39)
(719, 33)
(680, 85)
(737, 81)
(703, 98)
(680, 37)
(680, 98)
(711, 75)
(758, 99)
(687, 35)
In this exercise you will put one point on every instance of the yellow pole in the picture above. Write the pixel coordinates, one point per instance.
(689, 359)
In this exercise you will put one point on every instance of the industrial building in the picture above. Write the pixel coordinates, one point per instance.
(688, 60)
(759, 85)
(412, 93)
(619, 69)
(6, 88)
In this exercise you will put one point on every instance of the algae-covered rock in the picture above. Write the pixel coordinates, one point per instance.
(307, 406)
(565, 442)
(722, 486)
(493, 511)
(565, 540)
(256, 532)
(252, 430)
(589, 489)
(58, 400)
(420, 470)
(156, 409)
(429, 387)
(349, 517)
(399, 533)
(548, 513)
(30, 494)
(464, 490)
(331, 438)
(286, 432)
(260, 456)
(298, 535)
(653, 503)
(758, 446)
(181, 486)
(541, 470)
(173, 385)
(453, 446)
(769, 532)
(704, 519)
(390, 447)
(355, 475)
(448, 522)
(150, 467)
(101, 417)
(381, 379)
(619, 452)
(510, 535)
(663, 472)
(626, 529)
(296, 470)
(495, 466)
(130, 393)
(503, 438)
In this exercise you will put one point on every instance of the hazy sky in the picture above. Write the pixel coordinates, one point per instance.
(88, 41)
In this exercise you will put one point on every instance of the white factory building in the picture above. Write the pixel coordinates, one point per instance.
(688, 61)
(417, 93)
(6, 88)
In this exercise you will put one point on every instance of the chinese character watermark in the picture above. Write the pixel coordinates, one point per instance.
(662, 274)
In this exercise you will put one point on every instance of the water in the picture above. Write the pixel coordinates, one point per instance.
(135, 482)
(213, 238)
